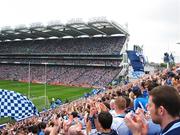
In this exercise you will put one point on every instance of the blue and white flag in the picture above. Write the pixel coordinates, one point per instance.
(137, 60)
(15, 105)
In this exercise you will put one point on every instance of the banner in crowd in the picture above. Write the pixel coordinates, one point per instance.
(136, 74)
(137, 60)
(15, 105)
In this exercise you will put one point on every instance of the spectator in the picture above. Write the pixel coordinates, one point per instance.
(112, 107)
(118, 123)
(105, 121)
(139, 101)
(164, 108)
(42, 127)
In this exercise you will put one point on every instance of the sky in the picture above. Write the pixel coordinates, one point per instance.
(153, 24)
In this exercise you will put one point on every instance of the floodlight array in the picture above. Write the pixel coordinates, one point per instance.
(98, 19)
(75, 20)
(35, 25)
(6, 28)
(54, 23)
(21, 26)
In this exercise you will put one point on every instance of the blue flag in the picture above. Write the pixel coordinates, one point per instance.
(137, 60)
(15, 105)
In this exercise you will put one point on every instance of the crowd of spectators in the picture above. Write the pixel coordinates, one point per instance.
(119, 110)
(67, 75)
(70, 61)
(98, 45)
(90, 70)
(134, 108)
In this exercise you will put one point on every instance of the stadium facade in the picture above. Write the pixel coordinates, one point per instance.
(77, 53)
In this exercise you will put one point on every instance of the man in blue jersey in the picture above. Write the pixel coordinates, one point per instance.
(140, 101)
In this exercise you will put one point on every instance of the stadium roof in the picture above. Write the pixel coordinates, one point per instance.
(74, 28)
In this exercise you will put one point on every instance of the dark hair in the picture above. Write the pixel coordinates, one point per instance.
(176, 77)
(118, 93)
(47, 132)
(137, 91)
(152, 85)
(143, 84)
(105, 119)
(51, 123)
(168, 97)
(34, 129)
(74, 114)
(128, 101)
(58, 115)
(107, 105)
(103, 99)
(42, 125)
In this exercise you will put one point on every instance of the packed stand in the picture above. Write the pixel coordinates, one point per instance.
(62, 61)
(18, 57)
(60, 75)
(104, 45)
(147, 106)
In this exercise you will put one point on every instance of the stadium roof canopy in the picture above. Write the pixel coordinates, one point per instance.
(74, 28)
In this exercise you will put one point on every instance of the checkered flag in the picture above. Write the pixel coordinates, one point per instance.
(15, 105)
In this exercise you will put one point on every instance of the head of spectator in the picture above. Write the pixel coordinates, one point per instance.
(151, 85)
(176, 81)
(137, 91)
(105, 120)
(170, 74)
(112, 104)
(75, 129)
(120, 105)
(164, 107)
(34, 129)
(128, 101)
(74, 114)
(42, 127)
(107, 104)
(47, 132)
(129, 104)
(20, 132)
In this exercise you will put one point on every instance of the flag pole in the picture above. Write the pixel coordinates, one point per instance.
(45, 89)
(29, 85)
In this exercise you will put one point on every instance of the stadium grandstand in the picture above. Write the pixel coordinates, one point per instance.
(78, 53)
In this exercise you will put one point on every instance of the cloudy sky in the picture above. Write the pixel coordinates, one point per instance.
(155, 24)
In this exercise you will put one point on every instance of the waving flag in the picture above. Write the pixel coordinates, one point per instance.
(137, 60)
(15, 105)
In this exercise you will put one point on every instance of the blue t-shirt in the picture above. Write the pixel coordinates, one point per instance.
(41, 133)
(140, 102)
(145, 94)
